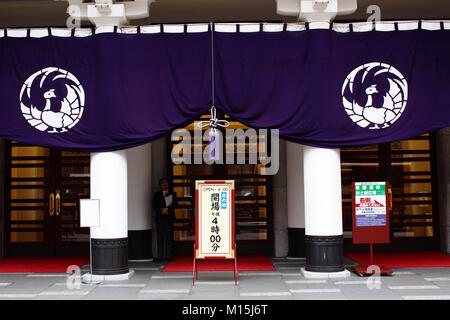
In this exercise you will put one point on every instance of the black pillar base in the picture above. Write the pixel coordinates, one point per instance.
(109, 256)
(296, 238)
(324, 253)
(139, 244)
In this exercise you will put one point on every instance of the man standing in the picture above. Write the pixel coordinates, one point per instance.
(163, 204)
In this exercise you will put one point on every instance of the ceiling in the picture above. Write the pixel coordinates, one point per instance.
(36, 13)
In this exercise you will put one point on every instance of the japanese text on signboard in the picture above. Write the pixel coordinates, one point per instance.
(370, 204)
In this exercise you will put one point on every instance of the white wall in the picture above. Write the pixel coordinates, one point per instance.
(140, 188)
(279, 206)
(295, 189)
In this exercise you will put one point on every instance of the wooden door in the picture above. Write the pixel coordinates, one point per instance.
(43, 189)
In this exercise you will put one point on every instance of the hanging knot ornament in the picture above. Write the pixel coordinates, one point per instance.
(214, 135)
(213, 122)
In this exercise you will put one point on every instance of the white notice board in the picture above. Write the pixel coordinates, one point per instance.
(214, 236)
(89, 213)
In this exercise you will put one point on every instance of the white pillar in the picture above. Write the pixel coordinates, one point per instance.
(110, 239)
(295, 199)
(323, 211)
(323, 199)
(139, 203)
(109, 183)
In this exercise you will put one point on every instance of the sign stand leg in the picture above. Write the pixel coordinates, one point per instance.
(235, 269)
(371, 254)
(193, 269)
(90, 265)
(90, 254)
(363, 270)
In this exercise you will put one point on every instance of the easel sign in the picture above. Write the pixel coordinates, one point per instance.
(214, 225)
(372, 202)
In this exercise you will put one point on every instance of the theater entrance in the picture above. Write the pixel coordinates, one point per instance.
(253, 210)
(42, 201)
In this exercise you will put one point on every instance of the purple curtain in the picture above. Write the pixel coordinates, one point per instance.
(296, 82)
(318, 87)
(136, 88)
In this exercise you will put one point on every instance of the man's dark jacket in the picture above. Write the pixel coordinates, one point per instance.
(159, 203)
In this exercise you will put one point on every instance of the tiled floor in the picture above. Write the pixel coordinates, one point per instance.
(285, 283)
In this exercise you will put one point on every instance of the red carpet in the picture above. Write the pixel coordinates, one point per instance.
(244, 263)
(40, 264)
(427, 259)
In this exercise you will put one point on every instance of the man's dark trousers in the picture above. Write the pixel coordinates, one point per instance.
(164, 234)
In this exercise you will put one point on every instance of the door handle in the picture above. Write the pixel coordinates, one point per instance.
(58, 202)
(51, 204)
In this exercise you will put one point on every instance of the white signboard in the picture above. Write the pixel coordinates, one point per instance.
(215, 219)
(89, 213)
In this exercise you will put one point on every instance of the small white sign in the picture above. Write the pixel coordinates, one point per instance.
(89, 213)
